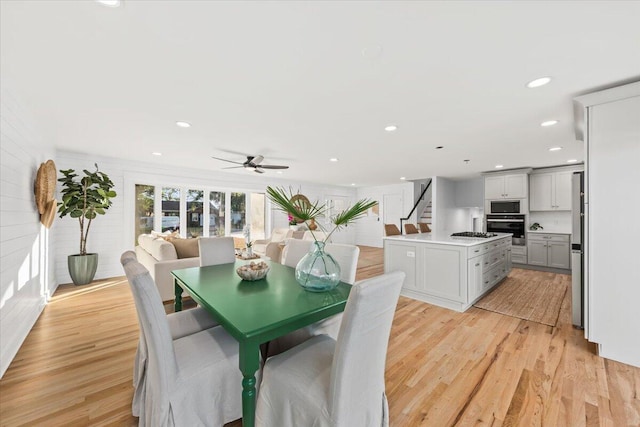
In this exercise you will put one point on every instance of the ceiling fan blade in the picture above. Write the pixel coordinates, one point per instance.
(225, 160)
(258, 170)
(274, 167)
(233, 167)
(257, 160)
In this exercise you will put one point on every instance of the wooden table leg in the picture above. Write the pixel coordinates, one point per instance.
(178, 292)
(249, 364)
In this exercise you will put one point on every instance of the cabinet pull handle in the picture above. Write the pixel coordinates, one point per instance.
(477, 264)
(477, 250)
(486, 281)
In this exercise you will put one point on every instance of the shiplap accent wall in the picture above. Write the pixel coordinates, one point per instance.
(113, 233)
(25, 245)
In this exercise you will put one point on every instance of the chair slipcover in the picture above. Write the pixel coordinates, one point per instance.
(294, 250)
(181, 324)
(193, 380)
(216, 250)
(347, 258)
(324, 382)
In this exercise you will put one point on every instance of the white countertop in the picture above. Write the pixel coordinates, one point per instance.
(447, 239)
(548, 232)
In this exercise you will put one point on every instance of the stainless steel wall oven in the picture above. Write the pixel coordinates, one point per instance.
(514, 224)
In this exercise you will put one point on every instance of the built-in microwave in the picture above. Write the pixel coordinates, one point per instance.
(505, 206)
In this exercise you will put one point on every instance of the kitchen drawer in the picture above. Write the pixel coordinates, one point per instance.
(492, 259)
(549, 237)
(518, 258)
(478, 250)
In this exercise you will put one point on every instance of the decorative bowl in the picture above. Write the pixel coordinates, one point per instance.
(253, 271)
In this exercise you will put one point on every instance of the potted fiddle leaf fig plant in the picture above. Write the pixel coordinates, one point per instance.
(84, 198)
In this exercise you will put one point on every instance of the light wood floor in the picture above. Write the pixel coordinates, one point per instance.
(443, 368)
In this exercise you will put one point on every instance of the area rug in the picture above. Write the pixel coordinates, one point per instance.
(534, 300)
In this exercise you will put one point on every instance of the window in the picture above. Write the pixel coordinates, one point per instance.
(195, 213)
(144, 209)
(170, 209)
(198, 211)
(216, 213)
(238, 212)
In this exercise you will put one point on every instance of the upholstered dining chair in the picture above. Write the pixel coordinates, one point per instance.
(410, 229)
(181, 324)
(391, 230)
(216, 250)
(324, 382)
(424, 227)
(192, 380)
(294, 250)
(347, 258)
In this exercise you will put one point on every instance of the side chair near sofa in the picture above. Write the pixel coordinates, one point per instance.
(216, 250)
(191, 380)
(278, 235)
(324, 382)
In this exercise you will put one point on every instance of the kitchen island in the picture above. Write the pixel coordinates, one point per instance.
(451, 272)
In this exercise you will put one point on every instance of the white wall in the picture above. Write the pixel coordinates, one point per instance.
(113, 233)
(26, 278)
(370, 229)
(448, 215)
(559, 221)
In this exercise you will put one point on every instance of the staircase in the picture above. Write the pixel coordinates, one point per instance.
(427, 214)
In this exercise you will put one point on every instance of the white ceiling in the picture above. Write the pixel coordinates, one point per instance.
(300, 82)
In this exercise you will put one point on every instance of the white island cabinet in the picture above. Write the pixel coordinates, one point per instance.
(451, 272)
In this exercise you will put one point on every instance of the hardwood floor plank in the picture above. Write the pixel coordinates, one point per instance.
(444, 368)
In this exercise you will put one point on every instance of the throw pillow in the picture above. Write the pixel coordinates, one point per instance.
(186, 248)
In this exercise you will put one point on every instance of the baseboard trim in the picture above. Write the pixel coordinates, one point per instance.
(540, 268)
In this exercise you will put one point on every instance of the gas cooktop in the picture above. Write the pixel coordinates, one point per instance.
(474, 234)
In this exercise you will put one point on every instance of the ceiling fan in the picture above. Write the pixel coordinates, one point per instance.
(252, 162)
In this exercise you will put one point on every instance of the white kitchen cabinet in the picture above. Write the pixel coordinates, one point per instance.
(549, 250)
(505, 186)
(550, 191)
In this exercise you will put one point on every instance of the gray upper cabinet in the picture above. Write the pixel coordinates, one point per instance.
(550, 191)
(505, 187)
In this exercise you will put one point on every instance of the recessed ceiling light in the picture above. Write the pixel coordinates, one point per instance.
(391, 128)
(279, 172)
(110, 3)
(353, 183)
(155, 153)
(549, 123)
(183, 124)
(539, 82)
(572, 161)
(499, 166)
(555, 148)
(466, 161)
(333, 159)
(402, 178)
(439, 147)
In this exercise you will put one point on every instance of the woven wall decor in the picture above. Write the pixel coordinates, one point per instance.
(44, 190)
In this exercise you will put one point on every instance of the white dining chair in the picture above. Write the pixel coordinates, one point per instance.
(324, 382)
(216, 250)
(347, 258)
(181, 324)
(294, 250)
(192, 380)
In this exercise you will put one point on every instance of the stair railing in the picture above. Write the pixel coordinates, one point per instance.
(415, 206)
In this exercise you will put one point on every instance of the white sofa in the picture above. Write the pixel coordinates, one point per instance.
(160, 258)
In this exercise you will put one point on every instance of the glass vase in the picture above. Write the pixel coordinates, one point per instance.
(317, 271)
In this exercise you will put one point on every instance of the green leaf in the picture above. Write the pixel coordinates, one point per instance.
(76, 213)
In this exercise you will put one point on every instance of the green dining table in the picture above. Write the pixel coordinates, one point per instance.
(256, 312)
